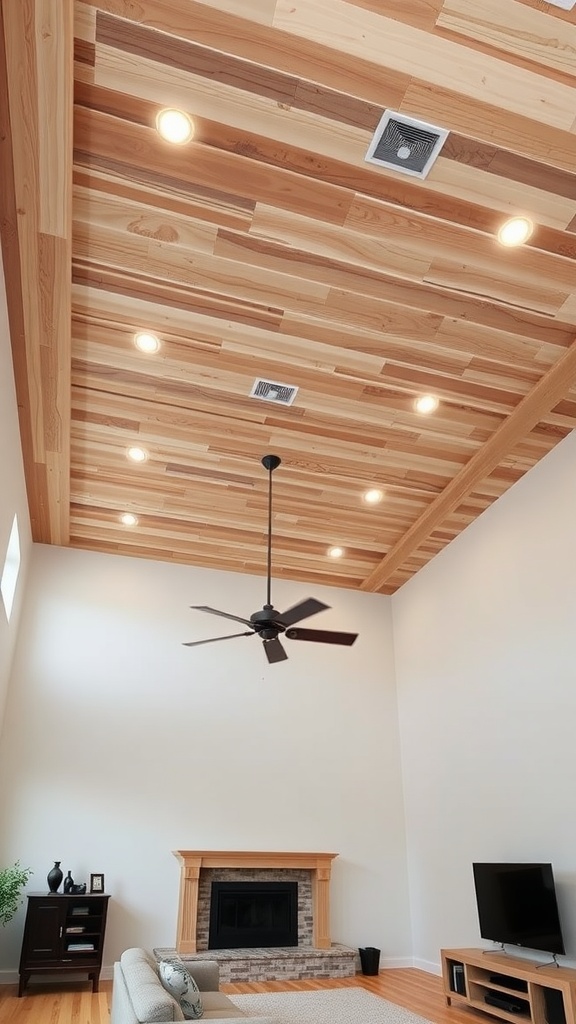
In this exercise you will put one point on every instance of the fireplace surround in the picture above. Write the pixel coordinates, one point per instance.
(194, 862)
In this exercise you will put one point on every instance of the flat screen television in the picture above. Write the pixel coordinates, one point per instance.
(517, 905)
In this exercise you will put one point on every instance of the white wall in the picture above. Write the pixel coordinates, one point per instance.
(122, 745)
(485, 642)
(12, 495)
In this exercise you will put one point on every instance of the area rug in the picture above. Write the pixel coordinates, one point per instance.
(326, 1006)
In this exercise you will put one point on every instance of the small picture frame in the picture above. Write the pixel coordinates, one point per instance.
(97, 883)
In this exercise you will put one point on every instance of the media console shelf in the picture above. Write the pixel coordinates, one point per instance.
(518, 991)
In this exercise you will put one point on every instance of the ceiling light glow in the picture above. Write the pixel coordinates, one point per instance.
(146, 342)
(129, 519)
(426, 404)
(137, 454)
(515, 231)
(373, 497)
(174, 126)
(336, 552)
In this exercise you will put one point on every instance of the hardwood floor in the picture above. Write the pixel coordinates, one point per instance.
(74, 1003)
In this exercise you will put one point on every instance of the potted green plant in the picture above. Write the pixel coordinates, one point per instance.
(12, 881)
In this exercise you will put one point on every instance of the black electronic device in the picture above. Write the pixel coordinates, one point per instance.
(517, 905)
(507, 982)
(506, 1002)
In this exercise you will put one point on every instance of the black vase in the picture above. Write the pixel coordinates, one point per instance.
(54, 877)
(68, 882)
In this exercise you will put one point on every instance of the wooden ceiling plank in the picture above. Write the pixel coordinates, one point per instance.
(420, 14)
(375, 314)
(104, 136)
(405, 243)
(531, 138)
(433, 59)
(37, 37)
(116, 213)
(435, 237)
(529, 412)
(219, 210)
(480, 186)
(164, 85)
(227, 32)
(513, 29)
(169, 261)
(526, 295)
(84, 22)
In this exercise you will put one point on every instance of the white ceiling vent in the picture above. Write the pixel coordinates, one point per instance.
(404, 144)
(566, 5)
(272, 391)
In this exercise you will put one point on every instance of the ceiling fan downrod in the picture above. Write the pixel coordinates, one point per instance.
(270, 462)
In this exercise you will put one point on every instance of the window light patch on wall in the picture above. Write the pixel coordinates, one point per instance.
(11, 569)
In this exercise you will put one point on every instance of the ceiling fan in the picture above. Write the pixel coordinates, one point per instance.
(268, 623)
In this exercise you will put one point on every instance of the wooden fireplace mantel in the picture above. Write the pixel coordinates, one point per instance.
(192, 861)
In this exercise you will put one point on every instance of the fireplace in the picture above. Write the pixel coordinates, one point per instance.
(253, 914)
(194, 864)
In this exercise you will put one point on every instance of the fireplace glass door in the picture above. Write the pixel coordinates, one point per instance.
(253, 914)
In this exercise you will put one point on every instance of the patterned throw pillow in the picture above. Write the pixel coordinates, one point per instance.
(180, 984)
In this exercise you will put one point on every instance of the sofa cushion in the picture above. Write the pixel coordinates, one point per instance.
(150, 1000)
(217, 1006)
(178, 981)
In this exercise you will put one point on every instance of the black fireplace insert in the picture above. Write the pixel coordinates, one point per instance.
(251, 914)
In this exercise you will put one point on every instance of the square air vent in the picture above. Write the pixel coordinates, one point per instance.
(404, 144)
(272, 391)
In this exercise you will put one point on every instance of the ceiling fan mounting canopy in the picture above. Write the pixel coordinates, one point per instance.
(268, 623)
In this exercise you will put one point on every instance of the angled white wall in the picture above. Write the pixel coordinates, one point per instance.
(485, 643)
(12, 497)
(123, 745)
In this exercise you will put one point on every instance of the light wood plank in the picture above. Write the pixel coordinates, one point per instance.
(514, 28)
(438, 61)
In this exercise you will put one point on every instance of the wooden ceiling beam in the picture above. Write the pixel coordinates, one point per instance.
(36, 57)
(534, 406)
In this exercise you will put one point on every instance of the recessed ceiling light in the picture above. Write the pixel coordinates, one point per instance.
(335, 552)
(137, 454)
(174, 126)
(146, 342)
(515, 231)
(426, 404)
(373, 497)
(129, 519)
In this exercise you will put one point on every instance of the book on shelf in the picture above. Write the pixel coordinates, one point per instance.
(75, 929)
(458, 979)
(77, 947)
(80, 911)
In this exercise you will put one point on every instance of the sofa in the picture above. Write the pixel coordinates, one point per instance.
(138, 996)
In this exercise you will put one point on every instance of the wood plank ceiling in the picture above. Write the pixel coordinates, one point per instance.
(268, 247)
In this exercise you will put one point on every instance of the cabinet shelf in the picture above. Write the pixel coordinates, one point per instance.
(47, 938)
(504, 986)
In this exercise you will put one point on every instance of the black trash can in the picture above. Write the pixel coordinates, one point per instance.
(369, 960)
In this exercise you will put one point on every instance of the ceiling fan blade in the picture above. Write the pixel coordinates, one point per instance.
(323, 636)
(274, 650)
(197, 643)
(302, 610)
(224, 615)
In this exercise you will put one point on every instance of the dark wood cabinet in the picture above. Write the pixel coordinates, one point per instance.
(63, 934)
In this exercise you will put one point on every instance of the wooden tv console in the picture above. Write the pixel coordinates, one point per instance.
(536, 994)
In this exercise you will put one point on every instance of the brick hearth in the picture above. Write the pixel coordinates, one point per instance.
(281, 964)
